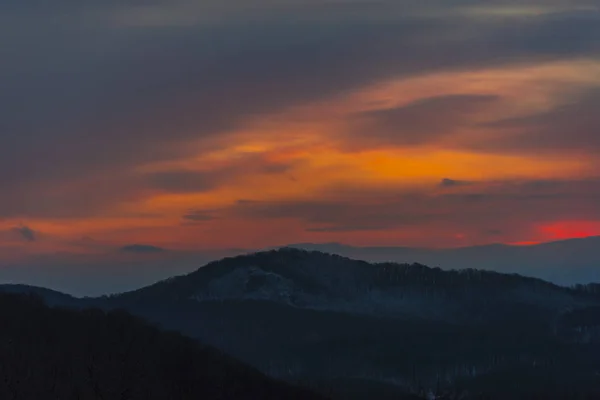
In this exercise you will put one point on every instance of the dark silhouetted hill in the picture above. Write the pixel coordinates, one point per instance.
(51, 353)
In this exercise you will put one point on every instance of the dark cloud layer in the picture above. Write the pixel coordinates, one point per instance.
(337, 215)
(512, 203)
(87, 94)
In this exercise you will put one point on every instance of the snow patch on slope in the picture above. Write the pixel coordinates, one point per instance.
(254, 283)
(249, 283)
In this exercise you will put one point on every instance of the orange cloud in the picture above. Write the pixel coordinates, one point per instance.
(310, 153)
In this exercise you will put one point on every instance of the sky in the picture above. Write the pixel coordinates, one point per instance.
(219, 124)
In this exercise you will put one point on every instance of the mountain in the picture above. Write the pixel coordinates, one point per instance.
(346, 327)
(320, 281)
(51, 297)
(67, 354)
(566, 262)
(307, 315)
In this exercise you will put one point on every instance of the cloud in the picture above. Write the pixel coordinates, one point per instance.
(570, 127)
(94, 195)
(194, 181)
(183, 181)
(109, 94)
(97, 195)
(141, 249)
(422, 121)
(449, 183)
(334, 215)
(26, 233)
(196, 216)
(501, 206)
(109, 106)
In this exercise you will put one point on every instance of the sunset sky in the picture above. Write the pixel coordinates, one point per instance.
(217, 124)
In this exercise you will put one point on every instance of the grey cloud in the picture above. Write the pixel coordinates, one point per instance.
(368, 225)
(338, 215)
(341, 228)
(26, 233)
(275, 168)
(570, 127)
(567, 33)
(141, 249)
(195, 216)
(74, 199)
(189, 181)
(422, 121)
(449, 183)
(526, 201)
(183, 181)
(503, 203)
(242, 202)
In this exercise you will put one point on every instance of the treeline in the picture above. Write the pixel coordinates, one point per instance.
(51, 353)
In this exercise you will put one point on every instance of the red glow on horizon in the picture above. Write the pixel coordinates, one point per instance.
(562, 230)
(571, 230)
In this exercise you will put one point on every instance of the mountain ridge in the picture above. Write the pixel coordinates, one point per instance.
(302, 315)
(496, 244)
(204, 272)
(566, 263)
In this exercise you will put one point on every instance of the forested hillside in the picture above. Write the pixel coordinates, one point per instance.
(48, 353)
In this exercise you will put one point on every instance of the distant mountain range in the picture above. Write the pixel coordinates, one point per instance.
(352, 329)
(130, 267)
(565, 262)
